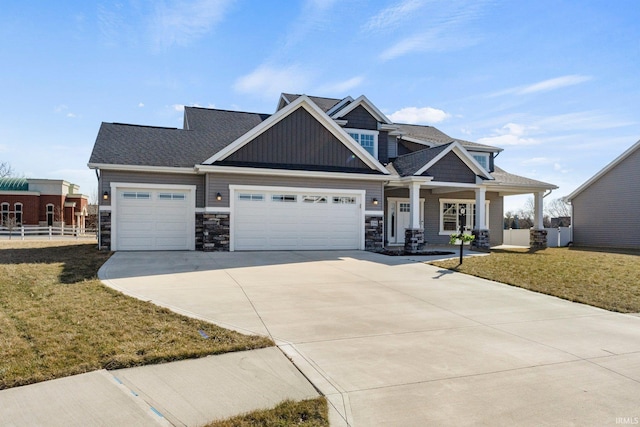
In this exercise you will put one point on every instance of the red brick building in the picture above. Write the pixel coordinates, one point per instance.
(41, 202)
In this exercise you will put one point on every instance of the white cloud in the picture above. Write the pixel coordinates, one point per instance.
(510, 134)
(342, 87)
(417, 115)
(555, 83)
(392, 15)
(60, 108)
(178, 107)
(179, 22)
(71, 115)
(270, 81)
(141, 105)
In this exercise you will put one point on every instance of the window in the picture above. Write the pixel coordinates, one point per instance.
(5, 213)
(344, 200)
(482, 158)
(287, 198)
(18, 213)
(171, 196)
(50, 213)
(314, 199)
(368, 139)
(251, 197)
(405, 207)
(449, 219)
(136, 195)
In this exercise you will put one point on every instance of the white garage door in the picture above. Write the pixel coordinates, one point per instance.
(296, 220)
(154, 219)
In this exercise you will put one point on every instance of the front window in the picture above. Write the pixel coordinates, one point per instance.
(483, 159)
(5, 213)
(367, 139)
(450, 220)
(18, 213)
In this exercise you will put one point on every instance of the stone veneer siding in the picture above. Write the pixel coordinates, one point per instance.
(482, 242)
(212, 232)
(413, 240)
(537, 239)
(373, 234)
(105, 230)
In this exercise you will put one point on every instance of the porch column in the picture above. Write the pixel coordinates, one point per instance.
(414, 235)
(480, 231)
(538, 235)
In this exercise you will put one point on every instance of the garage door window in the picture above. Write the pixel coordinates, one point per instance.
(314, 199)
(171, 196)
(287, 198)
(344, 200)
(251, 197)
(136, 195)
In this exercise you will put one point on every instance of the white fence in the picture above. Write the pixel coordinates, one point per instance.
(50, 233)
(556, 237)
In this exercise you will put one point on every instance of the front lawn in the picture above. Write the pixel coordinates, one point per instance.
(602, 279)
(307, 413)
(57, 319)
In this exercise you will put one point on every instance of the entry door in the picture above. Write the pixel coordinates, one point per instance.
(400, 219)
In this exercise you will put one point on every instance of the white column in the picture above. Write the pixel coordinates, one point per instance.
(538, 211)
(414, 200)
(481, 207)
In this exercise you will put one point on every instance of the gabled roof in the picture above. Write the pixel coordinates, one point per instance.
(14, 184)
(312, 108)
(228, 122)
(325, 104)
(433, 136)
(604, 170)
(506, 179)
(365, 103)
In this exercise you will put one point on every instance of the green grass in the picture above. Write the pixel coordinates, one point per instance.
(609, 280)
(57, 319)
(307, 413)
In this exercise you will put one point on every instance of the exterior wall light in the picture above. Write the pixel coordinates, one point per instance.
(375, 201)
(218, 197)
(105, 195)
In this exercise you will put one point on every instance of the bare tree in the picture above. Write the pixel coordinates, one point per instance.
(558, 208)
(5, 170)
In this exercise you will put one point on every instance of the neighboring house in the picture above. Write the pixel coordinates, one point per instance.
(41, 202)
(604, 209)
(319, 173)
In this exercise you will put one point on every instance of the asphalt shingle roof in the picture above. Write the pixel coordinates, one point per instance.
(436, 136)
(503, 177)
(325, 104)
(409, 164)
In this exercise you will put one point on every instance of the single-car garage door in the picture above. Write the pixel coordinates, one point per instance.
(154, 219)
(296, 220)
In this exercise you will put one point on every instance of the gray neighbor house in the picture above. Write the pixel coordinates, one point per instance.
(604, 207)
(319, 173)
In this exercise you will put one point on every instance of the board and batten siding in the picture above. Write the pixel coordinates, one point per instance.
(219, 183)
(109, 176)
(451, 169)
(606, 212)
(297, 140)
(360, 118)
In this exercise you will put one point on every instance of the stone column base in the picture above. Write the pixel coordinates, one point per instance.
(105, 231)
(481, 242)
(537, 239)
(373, 235)
(212, 232)
(413, 240)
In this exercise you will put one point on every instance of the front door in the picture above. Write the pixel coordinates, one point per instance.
(399, 219)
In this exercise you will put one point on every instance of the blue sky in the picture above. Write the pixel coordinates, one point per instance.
(554, 83)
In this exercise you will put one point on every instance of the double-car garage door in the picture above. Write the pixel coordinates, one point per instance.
(296, 219)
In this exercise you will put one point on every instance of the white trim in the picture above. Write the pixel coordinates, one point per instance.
(443, 232)
(339, 105)
(138, 168)
(487, 156)
(115, 186)
(211, 209)
(289, 172)
(393, 201)
(301, 102)
(374, 213)
(463, 155)
(359, 132)
(21, 193)
(603, 171)
(104, 208)
(419, 141)
(233, 188)
(368, 105)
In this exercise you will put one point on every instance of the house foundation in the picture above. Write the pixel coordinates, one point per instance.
(212, 232)
(537, 239)
(413, 240)
(482, 241)
(373, 234)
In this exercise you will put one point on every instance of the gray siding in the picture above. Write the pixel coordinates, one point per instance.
(451, 169)
(360, 118)
(432, 213)
(606, 213)
(298, 141)
(220, 183)
(383, 147)
(108, 176)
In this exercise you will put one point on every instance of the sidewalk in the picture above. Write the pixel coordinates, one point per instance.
(185, 393)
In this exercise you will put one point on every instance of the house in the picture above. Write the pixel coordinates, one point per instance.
(41, 202)
(319, 173)
(604, 207)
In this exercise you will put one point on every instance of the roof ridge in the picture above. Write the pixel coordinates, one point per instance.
(141, 126)
(227, 111)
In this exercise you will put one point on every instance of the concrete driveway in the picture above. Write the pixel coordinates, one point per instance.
(393, 341)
